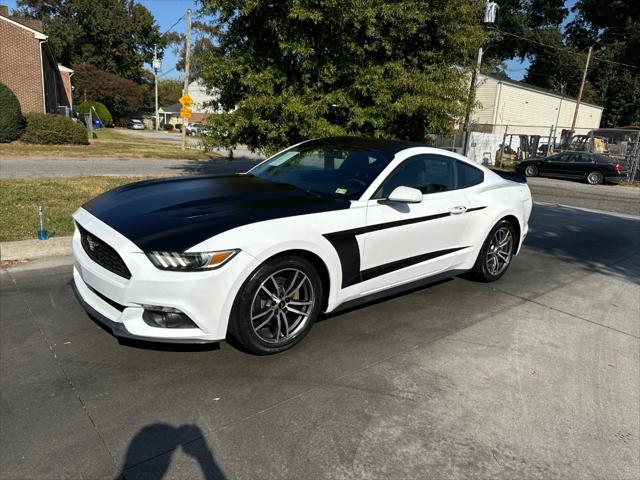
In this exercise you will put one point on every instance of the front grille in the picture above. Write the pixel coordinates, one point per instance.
(103, 254)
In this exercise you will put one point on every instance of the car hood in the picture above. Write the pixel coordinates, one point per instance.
(176, 214)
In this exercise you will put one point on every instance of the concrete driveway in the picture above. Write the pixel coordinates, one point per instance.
(535, 376)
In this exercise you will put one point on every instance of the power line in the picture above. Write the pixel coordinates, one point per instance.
(555, 47)
(171, 27)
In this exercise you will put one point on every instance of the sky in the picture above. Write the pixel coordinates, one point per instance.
(166, 12)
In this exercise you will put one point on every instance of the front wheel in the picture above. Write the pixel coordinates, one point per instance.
(531, 171)
(496, 253)
(277, 306)
(595, 177)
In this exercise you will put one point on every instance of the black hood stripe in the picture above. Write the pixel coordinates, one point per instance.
(176, 214)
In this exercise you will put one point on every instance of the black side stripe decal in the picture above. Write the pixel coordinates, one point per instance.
(348, 251)
(373, 272)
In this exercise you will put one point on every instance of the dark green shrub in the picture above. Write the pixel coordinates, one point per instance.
(11, 121)
(167, 126)
(178, 126)
(53, 129)
(103, 112)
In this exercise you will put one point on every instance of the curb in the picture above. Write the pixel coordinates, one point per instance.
(32, 249)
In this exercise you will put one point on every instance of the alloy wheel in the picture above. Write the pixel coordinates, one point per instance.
(594, 178)
(500, 251)
(281, 306)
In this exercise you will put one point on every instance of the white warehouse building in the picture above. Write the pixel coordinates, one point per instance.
(517, 108)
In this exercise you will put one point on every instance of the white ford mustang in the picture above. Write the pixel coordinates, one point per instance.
(258, 256)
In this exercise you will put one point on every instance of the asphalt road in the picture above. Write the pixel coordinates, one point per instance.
(535, 376)
(610, 198)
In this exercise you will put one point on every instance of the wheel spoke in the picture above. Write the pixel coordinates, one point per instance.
(265, 322)
(271, 295)
(293, 281)
(294, 302)
(261, 314)
(293, 310)
(286, 324)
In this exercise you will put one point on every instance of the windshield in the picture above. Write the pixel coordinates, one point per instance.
(340, 172)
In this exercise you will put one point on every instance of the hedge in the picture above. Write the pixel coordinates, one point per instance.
(103, 112)
(53, 129)
(11, 121)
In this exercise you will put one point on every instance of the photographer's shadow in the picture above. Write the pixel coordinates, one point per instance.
(140, 461)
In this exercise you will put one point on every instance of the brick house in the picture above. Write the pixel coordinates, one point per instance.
(28, 68)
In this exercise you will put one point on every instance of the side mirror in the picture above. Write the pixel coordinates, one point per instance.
(405, 195)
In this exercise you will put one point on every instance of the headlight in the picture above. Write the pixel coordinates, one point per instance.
(191, 261)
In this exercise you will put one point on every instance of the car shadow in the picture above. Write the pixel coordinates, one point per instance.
(143, 461)
(597, 242)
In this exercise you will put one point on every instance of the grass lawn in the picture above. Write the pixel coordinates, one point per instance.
(19, 200)
(110, 142)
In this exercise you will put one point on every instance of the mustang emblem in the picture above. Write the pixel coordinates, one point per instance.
(92, 243)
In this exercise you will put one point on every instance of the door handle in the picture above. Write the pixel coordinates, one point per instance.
(458, 210)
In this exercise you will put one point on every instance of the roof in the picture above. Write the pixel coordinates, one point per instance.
(16, 22)
(173, 108)
(382, 145)
(62, 68)
(528, 86)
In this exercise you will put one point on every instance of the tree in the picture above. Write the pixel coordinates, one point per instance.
(115, 35)
(614, 31)
(120, 95)
(169, 91)
(288, 71)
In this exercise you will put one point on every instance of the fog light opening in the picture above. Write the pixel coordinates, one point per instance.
(166, 317)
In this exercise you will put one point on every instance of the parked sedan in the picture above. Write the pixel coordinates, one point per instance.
(592, 167)
(135, 124)
(319, 226)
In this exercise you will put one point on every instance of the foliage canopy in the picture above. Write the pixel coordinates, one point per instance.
(120, 95)
(99, 110)
(289, 71)
(115, 35)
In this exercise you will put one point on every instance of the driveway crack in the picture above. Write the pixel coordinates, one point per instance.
(58, 363)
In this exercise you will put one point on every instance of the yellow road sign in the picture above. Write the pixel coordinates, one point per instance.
(185, 112)
(186, 100)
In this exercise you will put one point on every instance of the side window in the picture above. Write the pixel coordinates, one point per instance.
(468, 176)
(582, 158)
(556, 158)
(427, 173)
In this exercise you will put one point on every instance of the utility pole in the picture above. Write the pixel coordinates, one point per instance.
(156, 67)
(185, 90)
(472, 97)
(584, 78)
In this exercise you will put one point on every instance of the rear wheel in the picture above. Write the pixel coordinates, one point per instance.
(496, 253)
(595, 177)
(277, 306)
(531, 171)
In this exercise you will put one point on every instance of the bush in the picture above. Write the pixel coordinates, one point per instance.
(11, 121)
(178, 126)
(103, 112)
(168, 127)
(53, 129)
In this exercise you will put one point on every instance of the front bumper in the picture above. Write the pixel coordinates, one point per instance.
(205, 297)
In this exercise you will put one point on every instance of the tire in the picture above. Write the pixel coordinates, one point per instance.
(595, 177)
(531, 171)
(262, 321)
(484, 269)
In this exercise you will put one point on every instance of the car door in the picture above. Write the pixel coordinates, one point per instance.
(408, 241)
(582, 164)
(553, 166)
